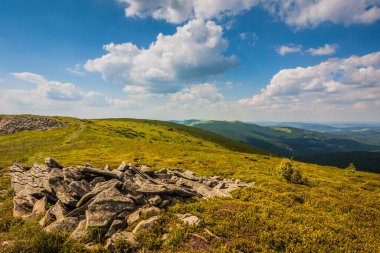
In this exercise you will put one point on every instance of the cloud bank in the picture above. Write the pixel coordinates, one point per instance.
(336, 84)
(295, 13)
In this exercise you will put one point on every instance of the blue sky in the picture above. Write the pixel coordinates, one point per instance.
(249, 60)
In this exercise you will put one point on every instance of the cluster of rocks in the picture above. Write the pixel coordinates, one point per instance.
(14, 124)
(76, 199)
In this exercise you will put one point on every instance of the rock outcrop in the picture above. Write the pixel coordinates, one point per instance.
(14, 124)
(76, 199)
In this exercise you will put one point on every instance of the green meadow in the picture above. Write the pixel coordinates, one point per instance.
(335, 210)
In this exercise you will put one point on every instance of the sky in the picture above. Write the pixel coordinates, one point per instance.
(249, 60)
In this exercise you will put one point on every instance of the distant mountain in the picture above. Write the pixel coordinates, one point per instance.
(298, 143)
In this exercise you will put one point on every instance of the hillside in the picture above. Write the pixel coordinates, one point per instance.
(301, 144)
(335, 210)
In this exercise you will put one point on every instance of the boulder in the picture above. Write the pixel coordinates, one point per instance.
(116, 226)
(106, 206)
(145, 224)
(80, 232)
(59, 210)
(189, 219)
(68, 225)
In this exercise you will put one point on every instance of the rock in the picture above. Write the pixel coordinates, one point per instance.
(123, 167)
(145, 224)
(189, 219)
(40, 206)
(47, 219)
(106, 206)
(86, 197)
(98, 172)
(153, 189)
(164, 237)
(79, 188)
(99, 188)
(97, 180)
(80, 232)
(127, 236)
(116, 226)
(107, 167)
(59, 210)
(14, 124)
(68, 225)
(135, 216)
(164, 203)
(155, 200)
(21, 207)
(50, 162)
(70, 174)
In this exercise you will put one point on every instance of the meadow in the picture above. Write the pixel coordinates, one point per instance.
(335, 211)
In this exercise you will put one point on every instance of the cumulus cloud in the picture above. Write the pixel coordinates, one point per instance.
(193, 53)
(178, 11)
(284, 50)
(52, 89)
(201, 95)
(327, 49)
(336, 84)
(310, 13)
(296, 13)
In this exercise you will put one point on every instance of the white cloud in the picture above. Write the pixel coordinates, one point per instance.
(199, 96)
(178, 11)
(52, 89)
(135, 89)
(251, 38)
(310, 13)
(193, 53)
(284, 50)
(76, 69)
(331, 86)
(296, 13)
(327, 49)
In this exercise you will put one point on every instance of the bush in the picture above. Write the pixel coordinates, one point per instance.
(122, 246)
(94, 234)
(351, 168)
(286, 171)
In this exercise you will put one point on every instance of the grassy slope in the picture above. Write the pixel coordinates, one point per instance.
(339, 211)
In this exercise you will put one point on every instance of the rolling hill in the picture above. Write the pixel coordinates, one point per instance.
(335, 210)
(301, 144)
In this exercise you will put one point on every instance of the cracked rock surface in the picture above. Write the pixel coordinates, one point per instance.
(75, 199)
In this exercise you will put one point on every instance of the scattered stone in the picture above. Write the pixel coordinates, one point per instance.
(14, 124)
(87, 197)
(189, 219)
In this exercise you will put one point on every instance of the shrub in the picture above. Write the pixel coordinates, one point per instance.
(286, 171)
(122, 246)
(94, 234)
(351, 168)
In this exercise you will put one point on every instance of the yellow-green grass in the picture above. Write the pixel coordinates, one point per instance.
(337, 211)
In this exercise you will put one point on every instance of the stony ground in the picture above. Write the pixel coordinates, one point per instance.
(85, 198)
(14, 124)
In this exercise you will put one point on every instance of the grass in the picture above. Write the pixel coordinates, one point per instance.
(336, 211)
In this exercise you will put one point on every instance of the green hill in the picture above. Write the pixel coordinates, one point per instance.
(335, 210)
(298, 143)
